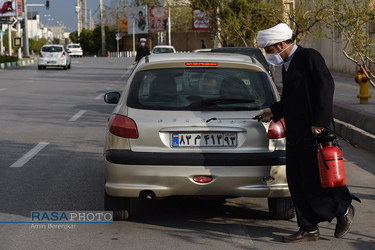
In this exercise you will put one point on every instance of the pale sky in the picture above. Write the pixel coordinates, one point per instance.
(64, 11)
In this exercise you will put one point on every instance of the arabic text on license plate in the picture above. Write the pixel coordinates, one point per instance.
(205, 140)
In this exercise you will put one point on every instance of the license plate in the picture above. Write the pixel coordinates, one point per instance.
(204, 140)
(51, 62)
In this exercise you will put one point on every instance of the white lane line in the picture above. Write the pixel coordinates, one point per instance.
(77, 116)
(29, 155)
(3, 89)
(100, 96)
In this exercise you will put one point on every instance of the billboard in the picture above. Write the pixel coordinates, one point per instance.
(124, 25)
(200, 20)
(159, 19)
(8, 8)
(138, 16)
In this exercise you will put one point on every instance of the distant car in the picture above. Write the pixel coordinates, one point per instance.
(54, 55)
(251, 52)
(184, 126)
(158, 49)
(74, 49)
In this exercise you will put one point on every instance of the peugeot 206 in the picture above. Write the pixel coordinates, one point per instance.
(185, 125)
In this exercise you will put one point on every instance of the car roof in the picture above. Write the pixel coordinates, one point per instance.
(175, 59)
(49, 45)
(235, 48)
(163, 46)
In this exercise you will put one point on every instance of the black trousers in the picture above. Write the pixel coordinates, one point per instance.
(313, 204)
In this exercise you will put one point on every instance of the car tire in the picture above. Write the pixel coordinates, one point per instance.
(65, 67)
(281, 208)
(69, 66)
(119, 205)
(40, 67)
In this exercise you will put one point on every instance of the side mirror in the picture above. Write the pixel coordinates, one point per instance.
(112, 97)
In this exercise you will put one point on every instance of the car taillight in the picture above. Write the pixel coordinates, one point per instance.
(276, 130)
(123, 126)
(202, 179)
(63, 54)
(40, 54)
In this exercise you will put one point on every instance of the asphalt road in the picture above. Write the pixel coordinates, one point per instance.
(52, 135)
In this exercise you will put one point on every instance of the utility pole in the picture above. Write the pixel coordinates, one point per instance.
(91, 21)
(10, 39)
(102, 27)
(85, 14)
(78, 8)
(25, 31)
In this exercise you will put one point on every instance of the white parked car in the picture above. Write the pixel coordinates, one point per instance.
(54, 55)
(74, 49)
(158, 49)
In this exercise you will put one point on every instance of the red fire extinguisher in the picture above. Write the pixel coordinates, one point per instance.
(330, 162)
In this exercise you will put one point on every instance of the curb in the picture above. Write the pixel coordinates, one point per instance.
(355, 135)
(16, 64)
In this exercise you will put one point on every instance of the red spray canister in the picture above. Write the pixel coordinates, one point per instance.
(330, 162)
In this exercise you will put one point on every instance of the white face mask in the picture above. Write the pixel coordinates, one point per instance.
(275, 58)
(143, 44)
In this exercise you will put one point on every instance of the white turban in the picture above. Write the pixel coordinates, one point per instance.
(143, 39)
(276, 34)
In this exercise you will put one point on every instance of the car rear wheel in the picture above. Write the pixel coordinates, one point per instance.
(119, 205)
(281, 208)
(40, 67)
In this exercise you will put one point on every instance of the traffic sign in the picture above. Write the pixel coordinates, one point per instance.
(117, 35)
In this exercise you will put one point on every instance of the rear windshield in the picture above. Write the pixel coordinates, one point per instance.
(52, 49)
(74, 46)
(162, 50)
(201, 89)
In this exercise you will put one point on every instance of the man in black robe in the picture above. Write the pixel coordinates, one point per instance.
(142, 50)
(306, 105)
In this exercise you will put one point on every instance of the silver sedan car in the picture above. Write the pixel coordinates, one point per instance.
(184, 126)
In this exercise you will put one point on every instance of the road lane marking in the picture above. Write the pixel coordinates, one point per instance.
(29, 155)
(77, 116)
(100, 96)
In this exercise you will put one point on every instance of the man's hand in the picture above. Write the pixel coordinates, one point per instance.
(134, 63)
(266, 115)
(317, 130)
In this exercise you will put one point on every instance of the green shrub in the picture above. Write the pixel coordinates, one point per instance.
(6, 58)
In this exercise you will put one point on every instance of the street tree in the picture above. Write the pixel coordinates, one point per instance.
(238, 21)
(349, 20)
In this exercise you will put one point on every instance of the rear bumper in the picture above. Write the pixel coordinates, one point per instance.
(195, 159)
(76, 53)
(129, 173)
(52, 62)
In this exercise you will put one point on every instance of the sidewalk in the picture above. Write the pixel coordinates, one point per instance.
(354, 121)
